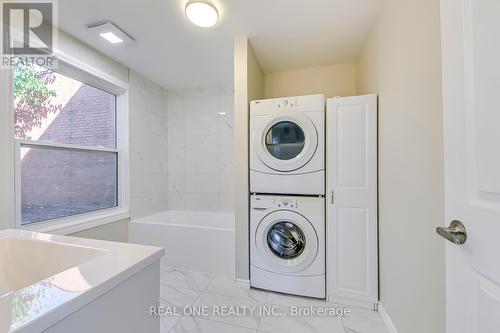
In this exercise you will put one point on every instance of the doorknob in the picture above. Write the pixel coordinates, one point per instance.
(455, 233)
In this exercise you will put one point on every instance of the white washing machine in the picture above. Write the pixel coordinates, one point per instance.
(287, 140)
(287, 244)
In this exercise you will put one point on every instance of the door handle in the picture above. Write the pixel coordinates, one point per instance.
(455, 233)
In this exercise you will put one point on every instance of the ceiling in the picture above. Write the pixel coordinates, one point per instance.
(286, 34)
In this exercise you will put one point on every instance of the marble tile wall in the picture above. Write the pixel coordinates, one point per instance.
(200, 149)
(148, 147)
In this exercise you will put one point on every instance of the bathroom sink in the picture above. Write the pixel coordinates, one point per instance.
(45, 279)
(24, 262)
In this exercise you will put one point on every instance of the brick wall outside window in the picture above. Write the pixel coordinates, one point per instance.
(58, 183)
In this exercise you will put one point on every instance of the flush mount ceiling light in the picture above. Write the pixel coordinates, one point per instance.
(111, 33)
(111, 37)
(202, 13)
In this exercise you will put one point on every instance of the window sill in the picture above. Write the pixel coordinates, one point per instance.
(78, 223)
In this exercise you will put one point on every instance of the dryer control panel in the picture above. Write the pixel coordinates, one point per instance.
(281, 103)
(310, 103)
(286, 102)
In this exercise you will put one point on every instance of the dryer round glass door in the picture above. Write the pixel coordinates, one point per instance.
(286, 242)
(286, 142)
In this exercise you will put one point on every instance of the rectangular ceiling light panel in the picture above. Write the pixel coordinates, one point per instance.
(111, 33)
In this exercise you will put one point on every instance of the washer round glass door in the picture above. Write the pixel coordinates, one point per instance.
(286, 142)
(286, 241)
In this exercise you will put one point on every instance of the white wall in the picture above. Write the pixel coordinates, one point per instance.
(332, 80)
(148, 147)
(248, 86)
(201, 149)
(401, 62)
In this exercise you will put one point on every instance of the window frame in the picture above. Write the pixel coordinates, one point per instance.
(84, 73)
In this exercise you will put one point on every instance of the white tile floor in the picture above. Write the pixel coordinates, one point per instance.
(180, 288)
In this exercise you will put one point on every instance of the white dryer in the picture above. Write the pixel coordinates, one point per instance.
(287, 140)
(287, 244)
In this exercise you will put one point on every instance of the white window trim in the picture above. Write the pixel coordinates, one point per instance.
(81, 71)
(6, 147)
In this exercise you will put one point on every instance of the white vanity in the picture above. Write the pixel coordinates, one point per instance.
(56, 284)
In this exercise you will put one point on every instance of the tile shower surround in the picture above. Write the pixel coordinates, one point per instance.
(181, 148)
(148, 147)
(200, 149)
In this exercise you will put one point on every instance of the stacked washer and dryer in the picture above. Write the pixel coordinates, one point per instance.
(287, 182)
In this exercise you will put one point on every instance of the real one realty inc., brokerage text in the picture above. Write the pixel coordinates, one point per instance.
(242, 311)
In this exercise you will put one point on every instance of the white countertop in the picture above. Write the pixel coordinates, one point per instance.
(43, 303)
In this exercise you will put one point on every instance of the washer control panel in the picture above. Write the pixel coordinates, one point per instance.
(286, 203)
(275, 203)
(263, 204)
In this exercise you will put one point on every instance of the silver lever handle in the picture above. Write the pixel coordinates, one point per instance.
(455, 233)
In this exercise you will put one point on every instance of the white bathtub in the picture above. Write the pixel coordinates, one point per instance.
(199, 241)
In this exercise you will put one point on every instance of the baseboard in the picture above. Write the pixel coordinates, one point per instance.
(350, 302)
(387, 320)
(242, 283)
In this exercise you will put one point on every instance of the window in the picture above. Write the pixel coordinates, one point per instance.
(67, 157)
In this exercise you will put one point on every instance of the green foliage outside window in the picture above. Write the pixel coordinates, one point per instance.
(32, 97)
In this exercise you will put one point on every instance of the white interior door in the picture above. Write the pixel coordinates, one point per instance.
(352, 205)
(471, 90)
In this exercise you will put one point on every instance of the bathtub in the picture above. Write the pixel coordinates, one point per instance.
(199, 241)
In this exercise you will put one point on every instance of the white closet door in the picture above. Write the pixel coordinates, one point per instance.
(352, 202)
